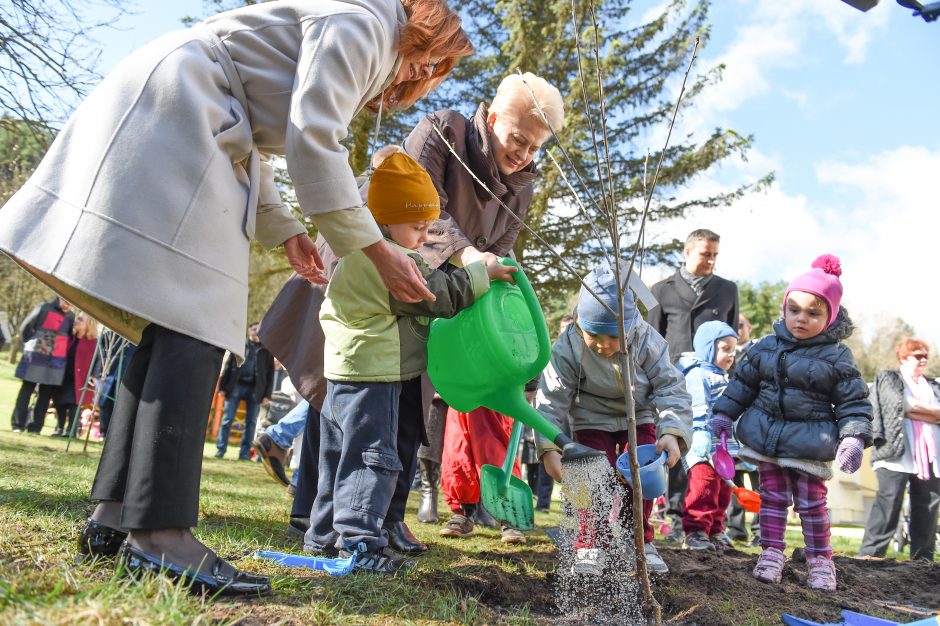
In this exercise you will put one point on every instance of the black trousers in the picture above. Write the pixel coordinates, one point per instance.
(409, 437)
(152, 458)
(21, 418)
(883, 519)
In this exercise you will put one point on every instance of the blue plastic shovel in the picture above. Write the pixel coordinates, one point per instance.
(333, 567)
(851, 618)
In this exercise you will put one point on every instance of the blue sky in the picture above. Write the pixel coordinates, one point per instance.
(844, 108)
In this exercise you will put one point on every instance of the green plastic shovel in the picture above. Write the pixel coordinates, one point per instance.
(507, 498)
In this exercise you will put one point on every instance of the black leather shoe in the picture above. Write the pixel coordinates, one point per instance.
(402, 541)
(298, 526)
(224, 579)
(98, 540)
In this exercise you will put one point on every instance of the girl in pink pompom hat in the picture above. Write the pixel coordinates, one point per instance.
(800, 404)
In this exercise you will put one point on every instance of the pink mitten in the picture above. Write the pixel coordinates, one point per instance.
(849, 455)
(720, 423)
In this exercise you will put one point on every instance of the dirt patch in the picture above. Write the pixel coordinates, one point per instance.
(711, 589)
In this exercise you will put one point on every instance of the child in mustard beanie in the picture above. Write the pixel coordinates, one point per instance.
(375, 353)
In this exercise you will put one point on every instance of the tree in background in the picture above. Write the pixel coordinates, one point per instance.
(21, 148)
(873, 346)
(48, 55)
(640, 65)
(762, 304)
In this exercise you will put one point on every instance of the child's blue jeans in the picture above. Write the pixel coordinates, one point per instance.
(289, 426)
(359, 462)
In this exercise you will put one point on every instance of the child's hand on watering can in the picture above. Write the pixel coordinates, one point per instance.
(552, 461)
(670, 444)
(498, 271)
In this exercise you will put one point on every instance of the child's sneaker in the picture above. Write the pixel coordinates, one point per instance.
(822, 574)
(654, 563)
(769, 568)
(697, 540)
(589, 561)
(722, 541)
(511, 535)
(383, 561)
(458, 526)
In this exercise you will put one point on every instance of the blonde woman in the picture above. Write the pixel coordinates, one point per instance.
(71, 396)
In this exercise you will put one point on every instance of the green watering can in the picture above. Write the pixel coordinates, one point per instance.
(484, 356)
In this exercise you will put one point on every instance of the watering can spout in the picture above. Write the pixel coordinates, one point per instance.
(577, 452)
(512, 402)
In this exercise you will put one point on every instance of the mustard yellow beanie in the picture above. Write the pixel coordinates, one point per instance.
(401, 191)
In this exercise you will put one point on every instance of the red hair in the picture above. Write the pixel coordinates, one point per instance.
(433, 30)
(908, 346)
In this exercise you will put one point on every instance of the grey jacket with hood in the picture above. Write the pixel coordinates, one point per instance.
(795, 400)
(587, 387)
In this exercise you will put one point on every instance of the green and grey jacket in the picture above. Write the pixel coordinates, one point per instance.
(371, 336)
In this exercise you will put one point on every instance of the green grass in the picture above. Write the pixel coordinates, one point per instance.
(44, 501)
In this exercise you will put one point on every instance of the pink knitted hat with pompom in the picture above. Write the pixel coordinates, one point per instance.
(822, 281)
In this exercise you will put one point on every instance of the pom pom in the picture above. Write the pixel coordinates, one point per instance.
(830, 264)
(383, 153)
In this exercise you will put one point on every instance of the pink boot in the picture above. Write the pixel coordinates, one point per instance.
(822, 574)
(769, 568)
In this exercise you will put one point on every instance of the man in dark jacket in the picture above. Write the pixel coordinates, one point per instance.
(693, 295)
(252, 382)
(688, 299)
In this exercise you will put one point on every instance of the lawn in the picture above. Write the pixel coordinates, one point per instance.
(44, 500)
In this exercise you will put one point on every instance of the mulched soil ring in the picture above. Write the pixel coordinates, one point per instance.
(711, 589)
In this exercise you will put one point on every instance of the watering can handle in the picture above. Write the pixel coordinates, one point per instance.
(538, 318)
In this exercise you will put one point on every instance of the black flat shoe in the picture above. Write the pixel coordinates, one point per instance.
(401, 540)
(98, 540)
(224, 579)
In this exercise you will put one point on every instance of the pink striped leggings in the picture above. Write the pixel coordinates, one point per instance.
(779, 488)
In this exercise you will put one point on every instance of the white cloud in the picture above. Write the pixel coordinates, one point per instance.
(883, 227)
(779, 35)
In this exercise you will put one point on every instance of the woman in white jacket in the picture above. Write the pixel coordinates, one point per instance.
(142, 211)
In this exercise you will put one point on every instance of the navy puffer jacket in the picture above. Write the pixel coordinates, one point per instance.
(799, 398)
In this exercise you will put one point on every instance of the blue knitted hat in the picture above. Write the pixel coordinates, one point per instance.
(592, 316)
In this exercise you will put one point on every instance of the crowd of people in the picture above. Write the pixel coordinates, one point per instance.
(420, 236)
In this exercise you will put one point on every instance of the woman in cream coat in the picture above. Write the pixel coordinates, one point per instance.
(142, 211)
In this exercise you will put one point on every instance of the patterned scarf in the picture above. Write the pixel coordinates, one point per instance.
(924, 444)
(697, 283)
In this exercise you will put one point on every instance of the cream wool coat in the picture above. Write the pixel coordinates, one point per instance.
(143, 208)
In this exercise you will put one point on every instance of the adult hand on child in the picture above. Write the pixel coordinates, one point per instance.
(552, 461)
(498, 271)
(849, 455)
(720, 423)
(701, 443)
(670, 444)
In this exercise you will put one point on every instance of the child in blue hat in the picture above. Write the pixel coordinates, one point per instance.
(583, 381)
(708, 495)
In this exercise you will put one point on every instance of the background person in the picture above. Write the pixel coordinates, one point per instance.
(905, 453)
(72, 394)
(45, 333)
(252, 382)
(687, 299)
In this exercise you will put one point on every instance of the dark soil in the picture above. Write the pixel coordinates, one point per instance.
(714, 590)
